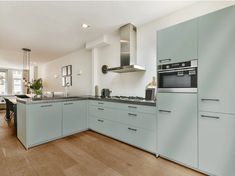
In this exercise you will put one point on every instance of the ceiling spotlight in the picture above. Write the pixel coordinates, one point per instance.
(85, 26)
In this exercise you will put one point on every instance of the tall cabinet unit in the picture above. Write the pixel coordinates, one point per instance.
(177, 43)
(216, 51)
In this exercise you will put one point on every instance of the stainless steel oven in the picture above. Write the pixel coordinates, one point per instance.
(178, 77)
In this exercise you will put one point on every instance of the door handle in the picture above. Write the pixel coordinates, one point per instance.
(212, 117)
(100, 109)
(133, 107)
(164, 111)
(44, 106)
(164, 60)
(210, 99)
(100, 103)
(131, 114)
(132, 129)
(100, 120)
(68, 103)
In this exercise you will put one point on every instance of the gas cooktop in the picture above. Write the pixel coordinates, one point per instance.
(129, 98)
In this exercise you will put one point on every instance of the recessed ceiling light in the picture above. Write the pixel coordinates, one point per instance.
(85, 26)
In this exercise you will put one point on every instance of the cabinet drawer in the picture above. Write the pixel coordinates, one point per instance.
(97, 103)
(106, 127)
(132, 135)
(138, 137)
(138, 119)
(125, 106)
(95, 111)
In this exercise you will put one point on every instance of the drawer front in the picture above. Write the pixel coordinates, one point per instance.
(138, 119)
(124, 106)
(97, 103)
(139, 137)
(95, 111)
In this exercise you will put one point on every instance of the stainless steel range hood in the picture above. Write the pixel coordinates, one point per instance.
(127, 51)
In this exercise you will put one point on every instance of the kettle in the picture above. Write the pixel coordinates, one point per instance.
(105, 93)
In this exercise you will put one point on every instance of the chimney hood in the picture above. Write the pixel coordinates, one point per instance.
(127, 51)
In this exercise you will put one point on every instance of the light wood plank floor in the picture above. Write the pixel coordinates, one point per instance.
(84, 154)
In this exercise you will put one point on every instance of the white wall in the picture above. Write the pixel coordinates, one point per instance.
(134, 83)
(11, 59)
(80, 61)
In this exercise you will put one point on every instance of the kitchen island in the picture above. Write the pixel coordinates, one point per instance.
(48, 119)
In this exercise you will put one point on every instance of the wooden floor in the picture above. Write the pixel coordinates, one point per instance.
(84, 154)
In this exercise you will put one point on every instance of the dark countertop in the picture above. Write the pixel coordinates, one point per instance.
(77, 98)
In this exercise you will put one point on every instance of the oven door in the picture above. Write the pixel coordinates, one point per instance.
(184, 80)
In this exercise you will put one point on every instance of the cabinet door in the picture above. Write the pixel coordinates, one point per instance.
(44, 122)
(216, 61)
(177, 43)
(217, 143)
(74, 117)
(177, 127)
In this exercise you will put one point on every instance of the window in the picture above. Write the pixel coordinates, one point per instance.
(3, 83)
(17, 82)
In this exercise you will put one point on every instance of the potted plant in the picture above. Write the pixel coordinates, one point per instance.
(36, 87)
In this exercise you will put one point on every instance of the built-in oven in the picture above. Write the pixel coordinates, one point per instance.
(178, 77)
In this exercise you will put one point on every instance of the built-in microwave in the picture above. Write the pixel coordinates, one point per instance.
(178, 77)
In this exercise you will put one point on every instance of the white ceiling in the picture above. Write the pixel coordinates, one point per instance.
(53, 29)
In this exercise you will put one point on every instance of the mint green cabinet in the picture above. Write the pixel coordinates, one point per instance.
(177, 127)
(133, 124)
(217, 143)
(74, 117)
(44, 122)
(216, 51)
(177, 43)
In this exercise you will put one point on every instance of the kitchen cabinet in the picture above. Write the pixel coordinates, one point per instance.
(43, 123)
(217, 143)
(177, 43)
(132, 124)
(74, 117)
(177, 127)
(216, 51)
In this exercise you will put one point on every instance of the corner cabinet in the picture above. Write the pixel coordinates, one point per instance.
(216, 51)
(74, 117)
(43, 123)
(177, 43)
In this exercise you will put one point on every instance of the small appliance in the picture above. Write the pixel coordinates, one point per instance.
(150, 94)
(105, 93)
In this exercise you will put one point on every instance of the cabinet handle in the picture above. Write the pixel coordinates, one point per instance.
(68, 103)
(164, 60)
(210, 99)
(100, 103)
(131, 114)
(212, 117)
(100, 120)
(164, 111)
(44, 106)
(133, 107)
(132, 129)
(100, 109)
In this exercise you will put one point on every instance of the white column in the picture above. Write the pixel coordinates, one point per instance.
(94, 70)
